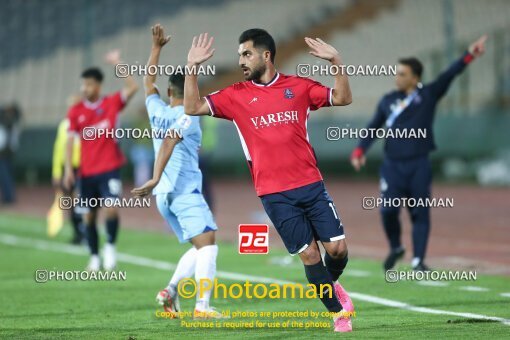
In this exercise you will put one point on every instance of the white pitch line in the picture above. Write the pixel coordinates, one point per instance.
(433, 283)
(505, 294)
(474, 289)
(146, 262)
(357, 273)
(402, 305)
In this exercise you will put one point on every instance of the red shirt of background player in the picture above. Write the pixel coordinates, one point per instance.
(102, 154)
(271, 120)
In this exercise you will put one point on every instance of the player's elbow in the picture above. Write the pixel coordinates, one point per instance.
(173, 138)
(343, 101)
(148, 81)
(190, 110)
(342, 98)
(347, 101)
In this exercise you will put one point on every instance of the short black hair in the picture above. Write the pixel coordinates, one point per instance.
(94, 73)
(260, 38)
(415, 65)
(176, 83)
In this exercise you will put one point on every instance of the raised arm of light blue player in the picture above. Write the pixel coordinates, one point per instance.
(158, 41)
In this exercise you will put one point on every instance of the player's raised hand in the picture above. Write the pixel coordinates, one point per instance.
(478, 47)
(113, 57)
(158, 36)
(322, 50)
(200, 49)
(145, 189)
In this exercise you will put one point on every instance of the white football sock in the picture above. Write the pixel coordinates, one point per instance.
(205, 269)
(185, 268)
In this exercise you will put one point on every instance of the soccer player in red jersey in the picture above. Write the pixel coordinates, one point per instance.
(270, 111)
(101, 157)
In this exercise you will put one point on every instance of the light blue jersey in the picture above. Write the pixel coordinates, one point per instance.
(178, 193)
(181, 174)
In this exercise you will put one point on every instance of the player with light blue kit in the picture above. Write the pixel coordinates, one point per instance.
(177, 185)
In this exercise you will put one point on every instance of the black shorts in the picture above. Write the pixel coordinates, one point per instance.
(303, 214)
(104, 185)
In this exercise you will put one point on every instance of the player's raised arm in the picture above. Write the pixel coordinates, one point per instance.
(341, 91)
(130, 85)
(199, 52)
(442, 83)
(158, 41)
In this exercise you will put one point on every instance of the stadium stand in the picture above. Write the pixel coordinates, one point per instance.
(57, 41)
(357, 47)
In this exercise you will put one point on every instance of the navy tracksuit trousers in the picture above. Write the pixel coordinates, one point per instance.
(409, 178)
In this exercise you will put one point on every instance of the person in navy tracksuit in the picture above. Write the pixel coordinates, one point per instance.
(406, 170)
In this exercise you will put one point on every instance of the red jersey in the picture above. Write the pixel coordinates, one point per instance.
(271, 120)
(102, 154)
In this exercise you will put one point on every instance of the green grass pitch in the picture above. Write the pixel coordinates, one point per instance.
(126, 309)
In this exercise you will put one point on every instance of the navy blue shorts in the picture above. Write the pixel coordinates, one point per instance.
(410, 178)
(104, 185)
(303, 214)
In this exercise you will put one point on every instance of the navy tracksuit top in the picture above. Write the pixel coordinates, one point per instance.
(418, 115)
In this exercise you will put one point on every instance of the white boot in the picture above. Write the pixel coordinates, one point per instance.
(109, 257)
(94, 264)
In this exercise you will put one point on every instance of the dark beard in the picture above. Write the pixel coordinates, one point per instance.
(257, 74)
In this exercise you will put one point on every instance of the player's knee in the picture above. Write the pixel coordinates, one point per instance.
(420, 213)
(339, 253)
(204, 239)
(111, 213)
(311, 255)
(89, 218)
(339, 250)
